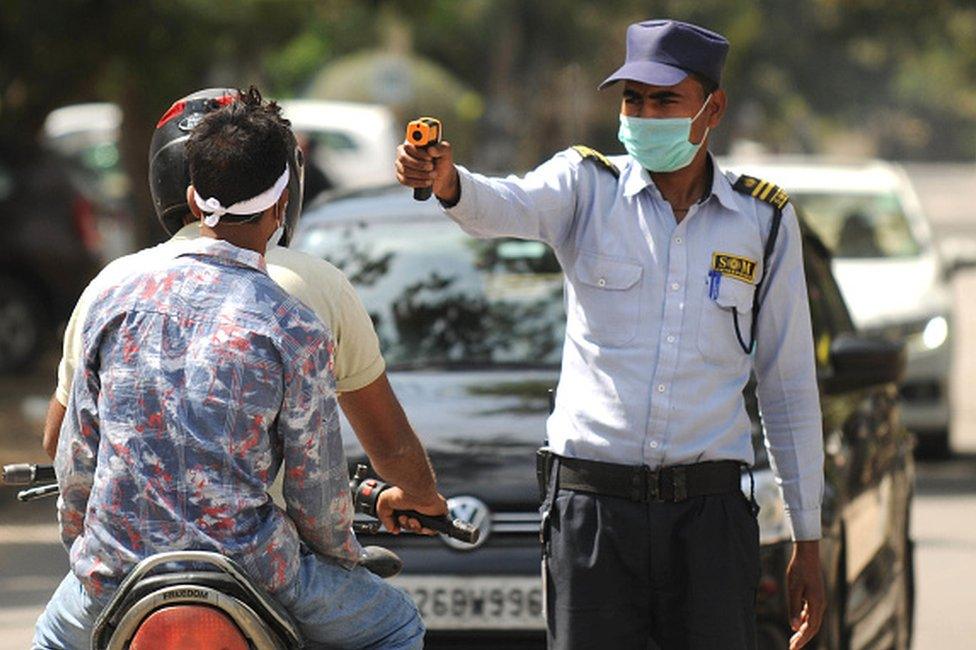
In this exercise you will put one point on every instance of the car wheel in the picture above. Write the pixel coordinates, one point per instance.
(21, 324)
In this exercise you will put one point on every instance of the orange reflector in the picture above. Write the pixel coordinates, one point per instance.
(188, 627)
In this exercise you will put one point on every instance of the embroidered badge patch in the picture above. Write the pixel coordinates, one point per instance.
(735, 266)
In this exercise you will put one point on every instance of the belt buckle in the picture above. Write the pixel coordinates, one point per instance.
(652, 483)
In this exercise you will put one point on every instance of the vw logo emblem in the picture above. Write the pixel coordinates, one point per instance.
(472, 511)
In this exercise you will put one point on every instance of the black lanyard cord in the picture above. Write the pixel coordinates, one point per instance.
(756, 304)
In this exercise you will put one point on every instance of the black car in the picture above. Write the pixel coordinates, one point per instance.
(52, 248)
(472, 332)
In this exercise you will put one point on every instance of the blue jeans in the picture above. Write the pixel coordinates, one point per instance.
(334, 606)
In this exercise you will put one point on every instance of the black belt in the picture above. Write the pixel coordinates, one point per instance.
(640, 482)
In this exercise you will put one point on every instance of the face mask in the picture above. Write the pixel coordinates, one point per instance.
(660, 144)
(276, 236)
(278, 233)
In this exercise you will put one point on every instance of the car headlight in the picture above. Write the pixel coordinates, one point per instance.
(773, 524)
(935, 333)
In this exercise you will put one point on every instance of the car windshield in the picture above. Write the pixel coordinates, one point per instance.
(861, 226)
(441, 298)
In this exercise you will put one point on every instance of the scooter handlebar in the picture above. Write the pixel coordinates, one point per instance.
(366, 493)
(28, 474)
(455, 528)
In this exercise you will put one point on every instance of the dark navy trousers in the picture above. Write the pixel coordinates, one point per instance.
(663, 576)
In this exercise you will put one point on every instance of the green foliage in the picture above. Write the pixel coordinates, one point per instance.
(887, 77)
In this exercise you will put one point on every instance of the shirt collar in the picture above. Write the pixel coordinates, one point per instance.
(637, 179)
(224, 250)
(721, 187)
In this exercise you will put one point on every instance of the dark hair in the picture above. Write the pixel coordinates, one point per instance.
(239, 151)
(707, 85)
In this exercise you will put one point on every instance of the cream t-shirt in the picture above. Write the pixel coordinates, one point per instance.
(318, 284)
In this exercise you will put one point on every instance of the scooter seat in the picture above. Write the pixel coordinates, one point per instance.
(230, 581)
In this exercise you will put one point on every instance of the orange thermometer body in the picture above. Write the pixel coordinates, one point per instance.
(423, 132)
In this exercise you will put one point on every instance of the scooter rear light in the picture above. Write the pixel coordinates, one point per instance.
(188, 627)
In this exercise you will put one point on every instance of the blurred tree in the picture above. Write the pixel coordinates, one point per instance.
(141, 54)
(896, 79)
(851, 76)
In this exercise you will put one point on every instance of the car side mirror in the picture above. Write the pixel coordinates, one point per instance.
(859, 362)
(958, 254)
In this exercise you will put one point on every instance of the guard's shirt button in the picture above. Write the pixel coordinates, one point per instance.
(653, 444)
(660, 388)
(671, 339)
(678, 240)
(602, 282)
(674, 286)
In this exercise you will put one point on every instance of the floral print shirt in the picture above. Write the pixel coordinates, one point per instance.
(200, 377)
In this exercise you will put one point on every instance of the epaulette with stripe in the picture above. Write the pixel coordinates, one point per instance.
(593, 154)
(762, 190)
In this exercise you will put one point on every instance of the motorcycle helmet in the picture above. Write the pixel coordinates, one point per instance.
(169, 174)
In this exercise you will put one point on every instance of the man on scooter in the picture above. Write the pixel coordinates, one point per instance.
(199, 378)
(364, 392)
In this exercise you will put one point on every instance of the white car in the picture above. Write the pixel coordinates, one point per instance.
(887, 265)
(354, 143)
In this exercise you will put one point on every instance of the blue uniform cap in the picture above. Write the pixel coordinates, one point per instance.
(663, 52)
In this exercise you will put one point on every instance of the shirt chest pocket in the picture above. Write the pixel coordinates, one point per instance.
(607, 298)
(721, 311)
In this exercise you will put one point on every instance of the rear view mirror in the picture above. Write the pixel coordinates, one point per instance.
(859, 362)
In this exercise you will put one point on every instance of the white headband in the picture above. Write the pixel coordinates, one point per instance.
(253, 205)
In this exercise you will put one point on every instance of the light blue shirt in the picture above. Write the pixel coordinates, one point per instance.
(652, 370)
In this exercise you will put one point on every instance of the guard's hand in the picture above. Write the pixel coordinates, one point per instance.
(396, 499)
(431, 167)
(804, 581)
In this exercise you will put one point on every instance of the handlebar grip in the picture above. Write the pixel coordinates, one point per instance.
(27, 474)
(19, 474)
(421, 193)
(455, 528)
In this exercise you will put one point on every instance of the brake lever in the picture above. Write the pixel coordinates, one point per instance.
(38, 492)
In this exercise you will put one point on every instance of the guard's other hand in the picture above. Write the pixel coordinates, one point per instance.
(804, 582)
(396, 499)
(431, 167)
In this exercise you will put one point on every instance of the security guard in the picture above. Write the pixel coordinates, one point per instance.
(680, 281)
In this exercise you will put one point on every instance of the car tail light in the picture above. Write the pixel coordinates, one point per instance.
(84, 219)
(188, 627)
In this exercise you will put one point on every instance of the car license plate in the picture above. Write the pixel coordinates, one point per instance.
(476, 602)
